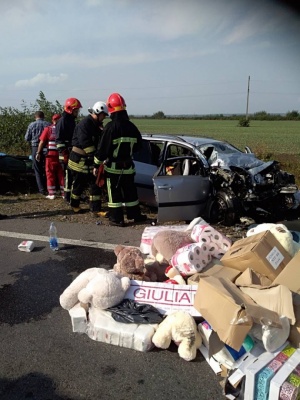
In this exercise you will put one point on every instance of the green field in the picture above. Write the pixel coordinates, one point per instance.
(275, 137)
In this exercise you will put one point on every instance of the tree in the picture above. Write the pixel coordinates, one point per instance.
(292, 114)
(158, 115)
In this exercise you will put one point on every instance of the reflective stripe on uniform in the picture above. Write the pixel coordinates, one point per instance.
(79, 167)
(112, 169)
(121, 140)
(132, 203)
(90, 149)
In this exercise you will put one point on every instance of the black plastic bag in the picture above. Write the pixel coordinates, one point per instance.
(129, 311)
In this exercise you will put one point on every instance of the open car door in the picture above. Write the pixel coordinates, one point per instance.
(181, 191)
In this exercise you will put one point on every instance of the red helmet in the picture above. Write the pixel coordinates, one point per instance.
(115, 103)
(72, 104)
(55, 117)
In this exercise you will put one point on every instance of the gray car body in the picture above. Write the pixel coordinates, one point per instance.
(188, 194)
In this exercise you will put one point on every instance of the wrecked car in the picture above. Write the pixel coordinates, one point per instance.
(185, 177)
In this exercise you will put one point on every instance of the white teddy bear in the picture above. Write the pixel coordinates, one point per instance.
(180, 327)
(96, 286)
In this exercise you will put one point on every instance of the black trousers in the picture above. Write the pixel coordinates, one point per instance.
(121, 190)
(80, 183)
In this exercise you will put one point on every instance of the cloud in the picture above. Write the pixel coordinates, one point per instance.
(41, 78)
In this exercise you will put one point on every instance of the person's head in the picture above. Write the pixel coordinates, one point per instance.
(99, 111)
(115, 103)
(39, 115)
(55, 118)
(72, 106)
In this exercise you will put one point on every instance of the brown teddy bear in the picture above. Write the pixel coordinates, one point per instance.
(165, 244)
(130, 263)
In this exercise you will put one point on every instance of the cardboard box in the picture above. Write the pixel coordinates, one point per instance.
(277, 298)
(218, 271)
(290, 276)
(165, 297)
(282, 375)
(229, 312)
(261, 252)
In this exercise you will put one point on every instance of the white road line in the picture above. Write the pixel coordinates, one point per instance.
(99, 245)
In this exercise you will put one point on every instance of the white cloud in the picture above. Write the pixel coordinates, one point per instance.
(41, 78)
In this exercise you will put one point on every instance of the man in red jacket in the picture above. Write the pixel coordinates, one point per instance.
(54, 170)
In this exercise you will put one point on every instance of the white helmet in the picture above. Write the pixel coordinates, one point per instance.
(98, 108)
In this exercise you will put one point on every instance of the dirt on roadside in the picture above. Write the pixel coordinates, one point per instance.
(19, 199)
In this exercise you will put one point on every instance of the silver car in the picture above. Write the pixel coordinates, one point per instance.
(185, 177)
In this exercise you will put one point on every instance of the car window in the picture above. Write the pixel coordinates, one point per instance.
(175, 150)
(150, 153)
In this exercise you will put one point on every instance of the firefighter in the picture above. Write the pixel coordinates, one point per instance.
(64, 134)
(85, 140)
(121, 138)
(54, 171)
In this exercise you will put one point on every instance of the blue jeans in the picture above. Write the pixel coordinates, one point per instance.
(39, 170)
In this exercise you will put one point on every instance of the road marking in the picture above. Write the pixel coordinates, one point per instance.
(85, 243)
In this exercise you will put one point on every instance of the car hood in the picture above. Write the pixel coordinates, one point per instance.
(244, 160)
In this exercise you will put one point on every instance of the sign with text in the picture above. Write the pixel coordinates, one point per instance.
(165, 297)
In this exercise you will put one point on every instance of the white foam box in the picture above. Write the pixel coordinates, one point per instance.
(254, 368)
(78, 319)
(103, 328)
(26, 245)
(282, 375)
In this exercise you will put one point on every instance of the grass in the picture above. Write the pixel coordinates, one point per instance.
(270, 140)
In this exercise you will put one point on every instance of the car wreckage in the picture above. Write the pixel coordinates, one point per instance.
(186, 177)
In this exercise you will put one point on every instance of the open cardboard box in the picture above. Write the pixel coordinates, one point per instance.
(230, 312)
(261, 252)
(217, 270)
(272, 296)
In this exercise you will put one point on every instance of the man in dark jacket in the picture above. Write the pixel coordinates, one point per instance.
(64, 134)
(121, 138)
(85, 141)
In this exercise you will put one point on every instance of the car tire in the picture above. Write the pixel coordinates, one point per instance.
(224, 209)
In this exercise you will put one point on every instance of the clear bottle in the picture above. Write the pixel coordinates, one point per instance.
(53, 241)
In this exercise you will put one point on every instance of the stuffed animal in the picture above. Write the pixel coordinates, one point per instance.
(165, 244)
(130, 263)
(180, 327)
(155, 270)
(97, 287)
(281, 233)
(174, 276)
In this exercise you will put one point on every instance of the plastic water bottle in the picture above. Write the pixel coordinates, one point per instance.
(53, 237)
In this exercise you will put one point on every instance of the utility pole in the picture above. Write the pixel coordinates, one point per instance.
(248, 98)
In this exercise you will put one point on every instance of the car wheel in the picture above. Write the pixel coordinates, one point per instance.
(224, 209)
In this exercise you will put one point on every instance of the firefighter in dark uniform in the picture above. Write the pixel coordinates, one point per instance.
(121, 138)
(85, 140)
(64, 134)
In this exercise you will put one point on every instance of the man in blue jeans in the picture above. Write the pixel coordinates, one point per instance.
(32, 136)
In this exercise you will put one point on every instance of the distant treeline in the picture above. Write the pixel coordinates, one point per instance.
(259, 116)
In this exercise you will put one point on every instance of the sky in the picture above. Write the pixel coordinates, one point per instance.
(179, 57)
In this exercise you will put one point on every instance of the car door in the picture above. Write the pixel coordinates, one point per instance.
(146, 164)
(181, 197)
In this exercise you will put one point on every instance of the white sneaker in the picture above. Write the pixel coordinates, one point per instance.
(50, 197)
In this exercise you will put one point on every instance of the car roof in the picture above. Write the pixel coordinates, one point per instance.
(194, 140)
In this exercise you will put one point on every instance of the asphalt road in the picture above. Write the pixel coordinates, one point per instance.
(42, 359)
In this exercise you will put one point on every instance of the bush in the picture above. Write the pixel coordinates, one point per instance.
(244, 122)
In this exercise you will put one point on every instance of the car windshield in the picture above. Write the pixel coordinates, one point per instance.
(220, 147)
